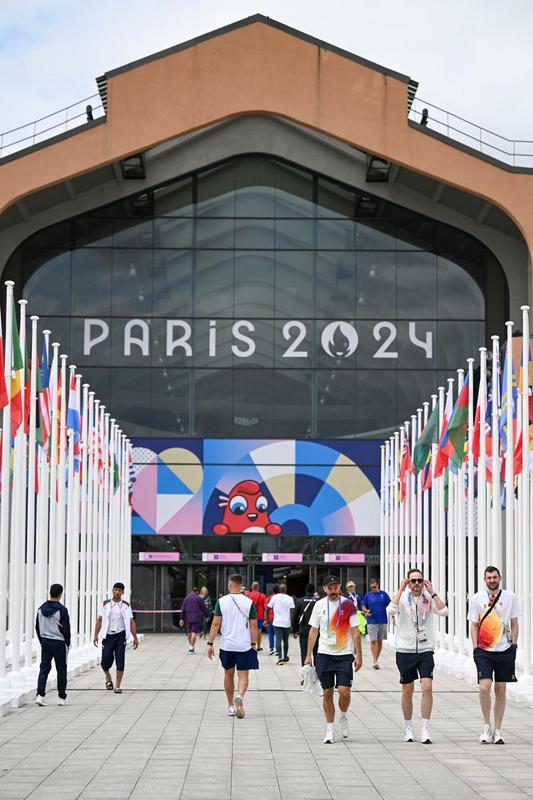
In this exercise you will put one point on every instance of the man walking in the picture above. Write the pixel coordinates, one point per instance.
(300, 620)
(236, 616)
(269, 622)
(115, 625)
(281, 605)
(374, 605)
(259, 600)
(52, 626)
(352, 594)
(334, 619)
(414, 607)
(193, 611)
(493, 616)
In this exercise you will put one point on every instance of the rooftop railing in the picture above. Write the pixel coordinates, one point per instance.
(515, 152)
(51, 125)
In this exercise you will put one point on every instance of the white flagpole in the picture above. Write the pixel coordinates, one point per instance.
(18, 523)
(437, 545)
(84, 543)
(5, 494)
(42, 560)
(71, 545)
(417, 479)
(470, 489)
(92, 516)
(382, 554)
(482, 469)
(495, 550)
(100, 511)
(105, 527)
(401, 505)
(396, 516)
(61, 506)
(447, 576)
(413, 503)
(30, 527)
(525, 532)
(460, 549)
(509, 464)
(54, 443)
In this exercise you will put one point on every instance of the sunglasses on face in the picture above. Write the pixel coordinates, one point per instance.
(417, 580)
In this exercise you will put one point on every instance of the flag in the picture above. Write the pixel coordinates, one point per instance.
(73, 419)
(132, 477)
(513, 400)
(43, 378)
(17, 365)
(427, 438)
(406, 466)
(458, 426)
(442, 458)
(4, 397)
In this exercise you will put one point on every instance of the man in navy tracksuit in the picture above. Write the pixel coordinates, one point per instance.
(53, 631)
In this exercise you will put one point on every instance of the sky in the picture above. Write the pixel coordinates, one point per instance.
(472, 57)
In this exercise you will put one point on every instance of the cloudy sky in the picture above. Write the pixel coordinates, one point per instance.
(473, 57)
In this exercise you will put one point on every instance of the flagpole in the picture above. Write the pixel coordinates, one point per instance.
(84, 555)
(470, 489)
(386, 527)
(424, 565)
(42, 559)
(460, 549)
(509, 464)
(525, 532)
(92, 478)
(5, 488)
(413, 502)
(30, 526)
(437, 547)
(417, 489)
(482, 469)
(382, 554)
(54, 443)
(495, 553)
(396, 516)
(71, 557)
(60, 518)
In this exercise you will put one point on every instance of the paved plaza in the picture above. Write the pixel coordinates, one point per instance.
(167, 737)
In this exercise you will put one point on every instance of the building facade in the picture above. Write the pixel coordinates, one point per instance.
(259, 297)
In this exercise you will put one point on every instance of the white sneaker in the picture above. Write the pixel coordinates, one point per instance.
(63, 701)
(231, 711)
(486, 735)
(409, 735)
(425, 738)
(329, 738)
(343, 726)
(191, 650)
(40, 701)
(498, 738)
(239, 707)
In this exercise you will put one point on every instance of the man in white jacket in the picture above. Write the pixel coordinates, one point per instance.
(414, 607)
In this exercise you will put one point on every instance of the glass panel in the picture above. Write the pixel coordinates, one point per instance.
(47, 288)
(294, 343)
(254, 284)
(132, 282)
(174, 336)
(212, 343)
(173, 592)
(131, 342)
(376, 285)
(143, 600)
(335, 234)
(459, 296)
(133, 233)
(253, 402)
(335, 285)
(91, 282)
(336, 402)
(375, 406)
(212, 233)
(174, 200)
(413, 388)
(375, 236)
(131, 400)
(260, 340)
(417, 285)
(170, 402)
(457, 341)
(294, 192)
(173, 233)
(295, 234)
(213, 289)
(172, 283)
(255, 195)
(334, 201)
(213, 402)
(99, 381)
(93, 232)
(256, 233)
(60, 332)
(216, 192)
(294, 284)
(90, 341)
(293, 402)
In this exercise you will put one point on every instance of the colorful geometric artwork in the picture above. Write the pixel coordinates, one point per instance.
(276, 487)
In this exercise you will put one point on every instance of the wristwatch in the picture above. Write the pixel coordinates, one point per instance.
(210, 644)
(434, 594)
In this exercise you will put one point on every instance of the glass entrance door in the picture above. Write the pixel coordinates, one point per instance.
(157, 593)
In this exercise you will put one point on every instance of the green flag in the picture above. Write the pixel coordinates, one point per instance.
(429, 436)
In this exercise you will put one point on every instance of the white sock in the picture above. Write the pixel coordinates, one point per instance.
(408, 723)
(425, 723)
(342, 715)
(331, 727)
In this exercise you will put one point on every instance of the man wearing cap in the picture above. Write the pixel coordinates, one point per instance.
(334, 620)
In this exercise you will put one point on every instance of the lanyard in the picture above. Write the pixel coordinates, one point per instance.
(338, 614)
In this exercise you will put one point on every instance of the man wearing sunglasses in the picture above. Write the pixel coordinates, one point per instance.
(493, 616)
(414, 607)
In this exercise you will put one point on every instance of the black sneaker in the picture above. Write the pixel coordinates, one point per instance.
(285, 660)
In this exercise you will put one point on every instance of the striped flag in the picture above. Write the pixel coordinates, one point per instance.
(44, 396)
(73, 419)
(17, 365)
(441, 461)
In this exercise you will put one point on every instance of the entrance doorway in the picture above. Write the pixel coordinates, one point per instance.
(295, 576)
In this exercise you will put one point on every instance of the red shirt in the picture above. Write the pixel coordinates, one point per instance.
(259, 600)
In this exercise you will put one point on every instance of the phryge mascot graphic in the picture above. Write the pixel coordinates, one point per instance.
(245, 511)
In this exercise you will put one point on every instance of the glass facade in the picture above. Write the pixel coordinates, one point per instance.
(255, 299)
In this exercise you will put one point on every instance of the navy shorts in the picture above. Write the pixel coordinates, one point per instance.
(243, 661)
(334, 670)
(113, 649)
(415, 665)
(498, 667)
(193, 627)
